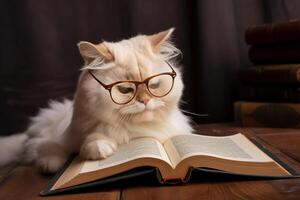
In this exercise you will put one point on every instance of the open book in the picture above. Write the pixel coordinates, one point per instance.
(174, 159)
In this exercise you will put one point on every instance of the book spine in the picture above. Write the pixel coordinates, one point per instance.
(277, 115)
(274, 54)
(279, 32)
(288, 74)
(269, 93)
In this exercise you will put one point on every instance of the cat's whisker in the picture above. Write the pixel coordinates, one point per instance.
(123, 118)
(126, 117)
(183, 101)
(130, 117)
(162, 104)
(195, 114)
(120, 119)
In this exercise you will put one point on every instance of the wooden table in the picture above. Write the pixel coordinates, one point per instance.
(24, 182)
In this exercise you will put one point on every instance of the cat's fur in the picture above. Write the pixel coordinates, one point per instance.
(93, 124)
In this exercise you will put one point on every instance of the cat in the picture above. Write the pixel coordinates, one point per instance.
(99, 119)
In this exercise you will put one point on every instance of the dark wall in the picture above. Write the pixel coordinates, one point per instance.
(39, 58)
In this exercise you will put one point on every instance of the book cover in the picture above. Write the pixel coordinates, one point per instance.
(284, 74)
(274, 54)
(269, 93)
(279, 32)
(267, 114)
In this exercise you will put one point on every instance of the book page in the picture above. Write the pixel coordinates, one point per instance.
(235, 147)
(138, 148)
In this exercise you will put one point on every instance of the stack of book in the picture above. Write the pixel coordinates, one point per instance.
(269, 94)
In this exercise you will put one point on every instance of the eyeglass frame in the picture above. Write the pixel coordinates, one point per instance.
(108, 87)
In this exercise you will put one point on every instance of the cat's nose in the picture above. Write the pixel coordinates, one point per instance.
(143, 98)
(144, 101)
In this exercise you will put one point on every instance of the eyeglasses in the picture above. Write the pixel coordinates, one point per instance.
(122, 92)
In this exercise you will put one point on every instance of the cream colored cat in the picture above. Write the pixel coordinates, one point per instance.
(103, 116)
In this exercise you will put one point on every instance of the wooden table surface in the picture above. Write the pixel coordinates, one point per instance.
(24, 182)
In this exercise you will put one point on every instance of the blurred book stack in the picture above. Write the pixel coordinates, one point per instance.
(269, 93)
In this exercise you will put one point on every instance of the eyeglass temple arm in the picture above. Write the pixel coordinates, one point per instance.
(171, 67)
(105, 86)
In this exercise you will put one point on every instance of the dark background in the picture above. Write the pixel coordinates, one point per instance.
(39, 58)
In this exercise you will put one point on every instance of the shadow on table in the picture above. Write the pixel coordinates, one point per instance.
(147, 177)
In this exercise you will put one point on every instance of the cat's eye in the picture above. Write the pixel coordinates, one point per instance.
(154, 85)
(125, 90)
(160, 85)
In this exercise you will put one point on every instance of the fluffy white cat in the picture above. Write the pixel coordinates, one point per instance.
(93, 124)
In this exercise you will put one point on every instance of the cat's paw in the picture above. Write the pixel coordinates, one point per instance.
(49, 156)
(98, 149)
(50, 164)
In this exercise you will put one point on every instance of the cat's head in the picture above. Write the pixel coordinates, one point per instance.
(134, 59)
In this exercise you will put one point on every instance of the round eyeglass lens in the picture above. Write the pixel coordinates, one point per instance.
(160, 85)
(123, 92)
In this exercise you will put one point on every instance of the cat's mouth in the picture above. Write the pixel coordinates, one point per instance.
(139, 112)
(136, 109)
(140, 108)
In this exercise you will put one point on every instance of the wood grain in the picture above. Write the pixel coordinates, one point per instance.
(289, 143)
(273, 189)
(26, 183)
(6, 170)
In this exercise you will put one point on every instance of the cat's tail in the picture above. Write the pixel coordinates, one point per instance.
(12, 148)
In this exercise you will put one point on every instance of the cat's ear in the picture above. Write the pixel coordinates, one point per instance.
(161, 44)
(158, 39)
(91, 51)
